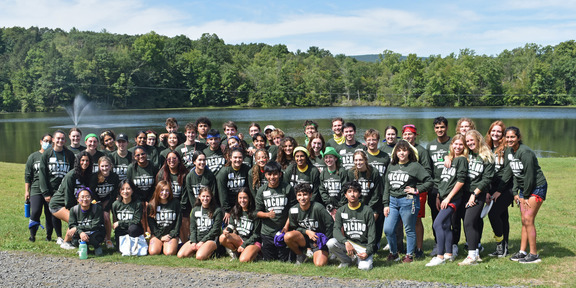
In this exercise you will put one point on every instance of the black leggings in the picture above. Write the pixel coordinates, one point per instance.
(498, 215)
(37, 203)
(442, 225)
(473, 224)
(433, 210)
(457, 219)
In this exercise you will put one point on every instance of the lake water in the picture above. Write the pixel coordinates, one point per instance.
(551, 132)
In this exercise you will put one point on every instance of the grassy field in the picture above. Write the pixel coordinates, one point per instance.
(555, 223)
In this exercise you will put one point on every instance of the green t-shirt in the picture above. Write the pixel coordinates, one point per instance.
(214, 160)
(356, 225)
(167, 221)
(331, 187)
(438, 152)
(247, 226)
(523, 165)
(372, 188)
(144, 180)
(126, 214)
(279, 199)
(121, 163)
(32, 173)
(310, 176)
(204, 228)
(229, 183)
(400, 176)
(458, 172)
(316, 219)
(194, 183)
(53, 167)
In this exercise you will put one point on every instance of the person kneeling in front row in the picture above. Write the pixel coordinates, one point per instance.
(354, 231)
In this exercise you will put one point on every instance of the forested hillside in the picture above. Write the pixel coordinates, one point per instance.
(42, 69)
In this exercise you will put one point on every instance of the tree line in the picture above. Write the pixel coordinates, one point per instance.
(43, 69)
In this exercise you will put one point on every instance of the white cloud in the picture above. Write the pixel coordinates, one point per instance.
(441, 27)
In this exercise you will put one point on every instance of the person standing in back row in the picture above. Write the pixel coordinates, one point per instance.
(438, 149)
(338, 137)
(409, 134)
(55, 163)
(349, 146)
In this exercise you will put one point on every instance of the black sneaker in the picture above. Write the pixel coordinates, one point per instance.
(501, 250)
(530, 258)
(518, 256)
(419, 254)
(32, 239)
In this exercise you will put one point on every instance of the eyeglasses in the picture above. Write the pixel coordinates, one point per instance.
(140, 155)
(84, 197)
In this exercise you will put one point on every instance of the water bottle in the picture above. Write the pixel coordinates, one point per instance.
(83, 250)
(27, 208)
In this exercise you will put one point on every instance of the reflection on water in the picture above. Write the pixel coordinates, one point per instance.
(549, 131)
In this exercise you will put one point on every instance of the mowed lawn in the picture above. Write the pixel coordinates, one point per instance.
(556, 226)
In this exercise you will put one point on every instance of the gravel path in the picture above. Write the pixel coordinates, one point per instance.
(32, 270)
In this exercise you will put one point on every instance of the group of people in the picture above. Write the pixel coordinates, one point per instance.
(192, 193)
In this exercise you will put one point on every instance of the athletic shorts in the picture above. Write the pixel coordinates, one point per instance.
(539, 192)
(422, 211)
(55, 209)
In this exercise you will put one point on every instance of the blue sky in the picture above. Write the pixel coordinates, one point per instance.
(343, 27)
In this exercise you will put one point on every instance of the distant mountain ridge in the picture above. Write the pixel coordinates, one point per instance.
(373, 58)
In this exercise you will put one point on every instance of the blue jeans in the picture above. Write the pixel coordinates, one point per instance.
(407, 209)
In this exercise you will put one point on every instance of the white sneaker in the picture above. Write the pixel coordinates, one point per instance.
(309, 253)
(450, 258)
(468, 261)
(59, 241)
(67, 246)
(232, 254)
(435, 262)
(343, 265)
(386, 248)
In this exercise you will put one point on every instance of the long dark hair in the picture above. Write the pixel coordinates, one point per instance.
(83, 175)
(403, 145)
(309, 146)
(368, 167)
(257, 171)
(516, 132)
(132, 186)
(211, 206)
(283, 159)
(236, 211)
(295, 167)
(231, 151)
(182, 171)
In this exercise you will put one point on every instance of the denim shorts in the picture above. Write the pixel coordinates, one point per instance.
(539, 192)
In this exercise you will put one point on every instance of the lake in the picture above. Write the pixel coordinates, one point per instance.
(551, 132)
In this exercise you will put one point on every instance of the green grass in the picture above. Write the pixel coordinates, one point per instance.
(556, 226)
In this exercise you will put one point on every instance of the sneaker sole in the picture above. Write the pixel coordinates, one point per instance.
(531, 262)
(430, 265)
